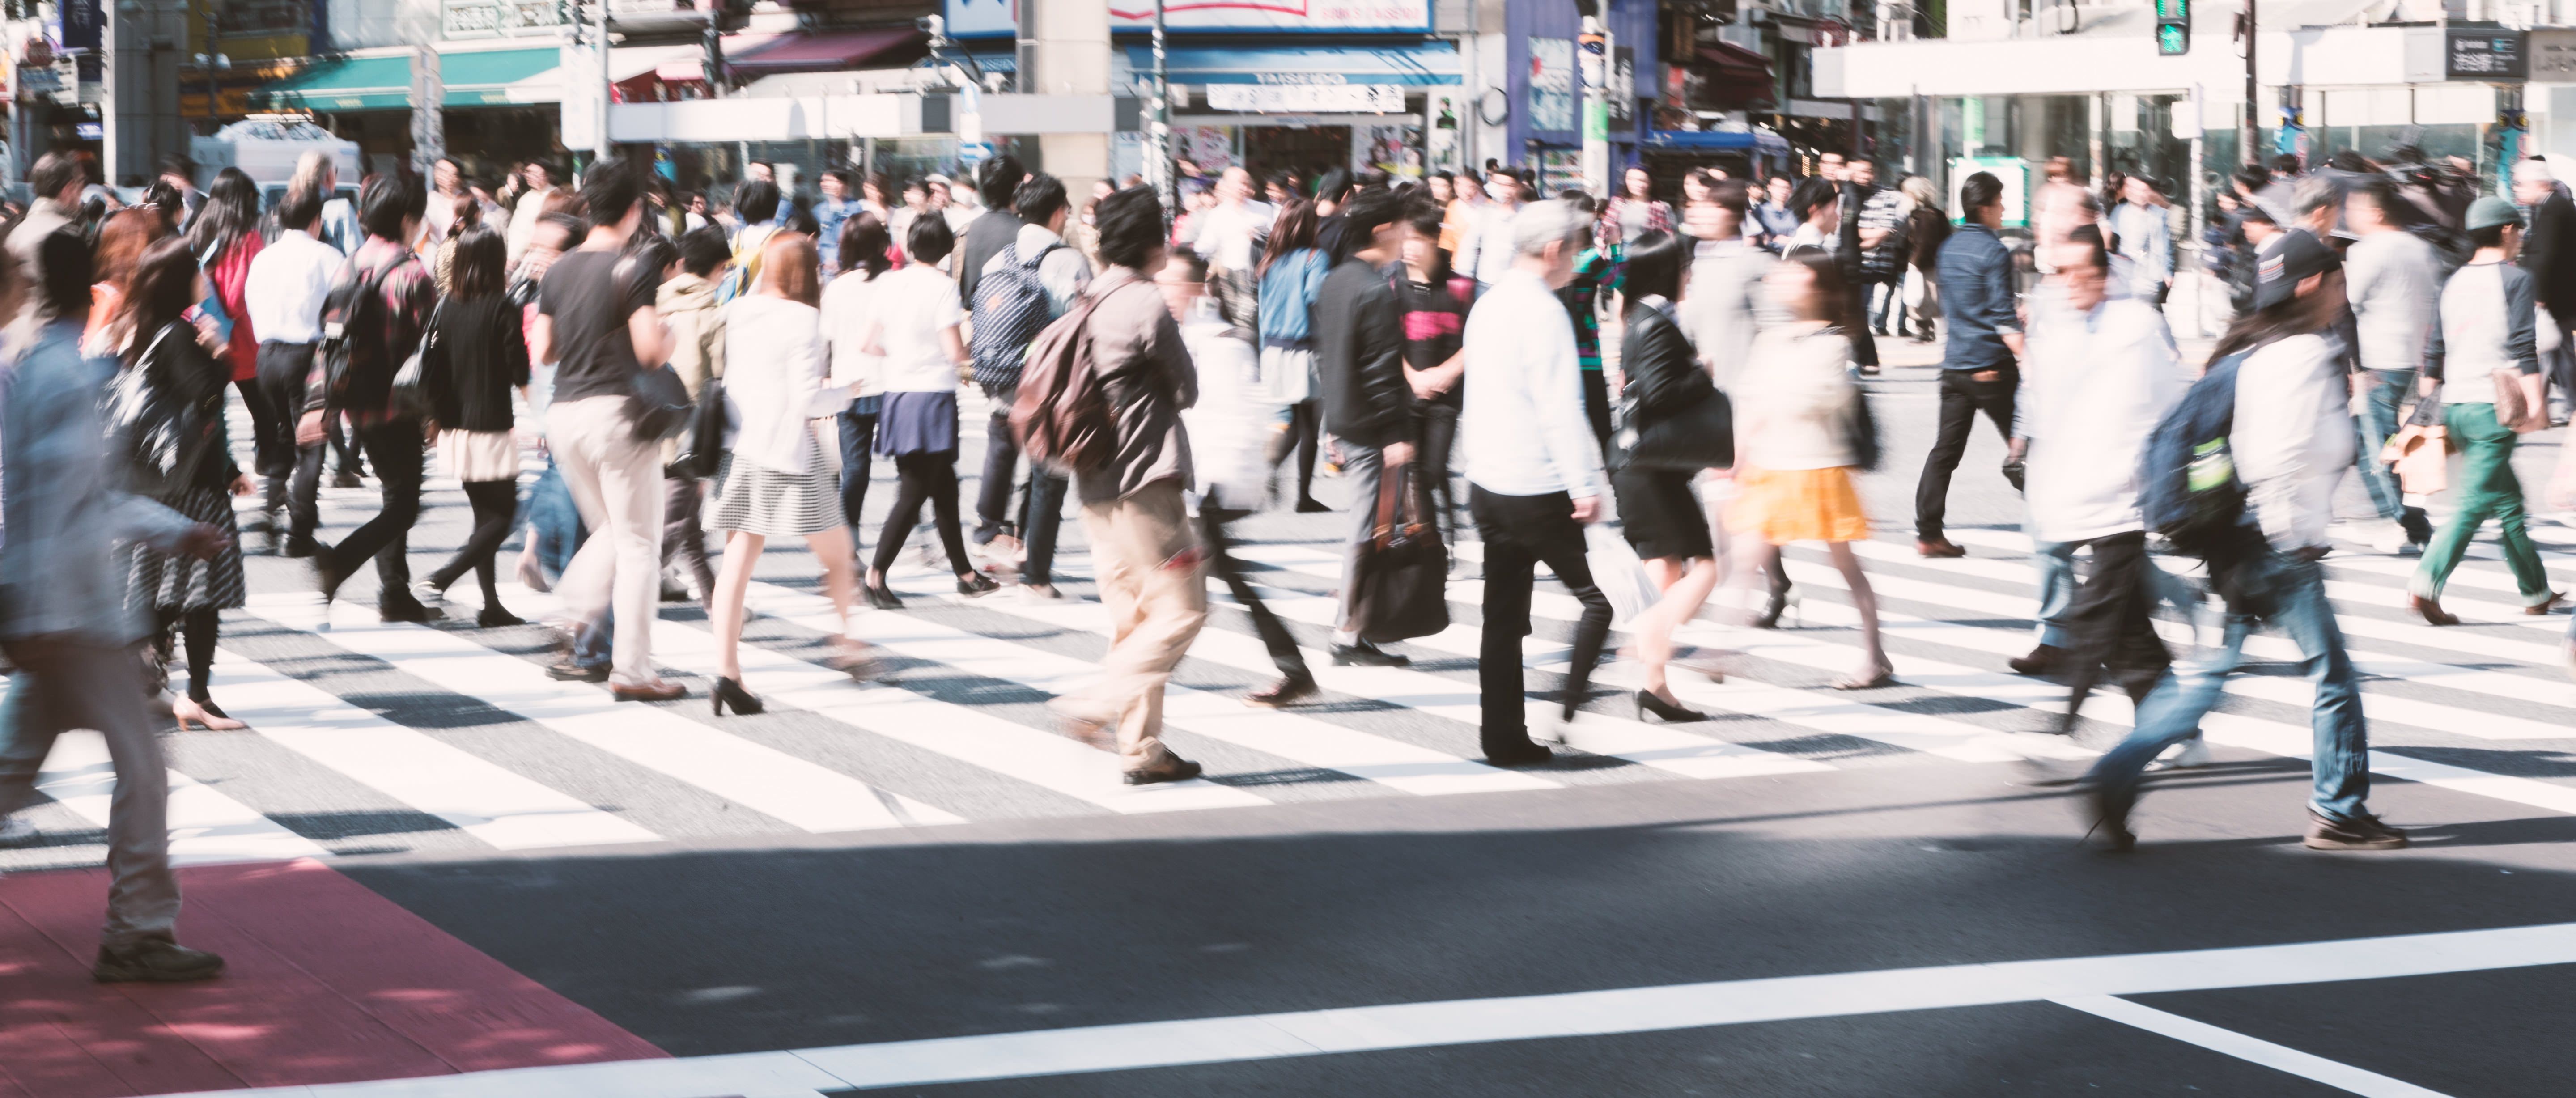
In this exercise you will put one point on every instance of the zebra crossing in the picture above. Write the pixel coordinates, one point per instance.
(368, 738)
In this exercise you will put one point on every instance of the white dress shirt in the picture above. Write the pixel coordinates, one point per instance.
(773, 381)
(1495, 248)
(1230, 234)
(1522, 431)
(2293, 438)
(289, 282)
(2097, 382)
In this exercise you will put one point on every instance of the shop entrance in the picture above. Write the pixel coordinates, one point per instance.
(1308, 151)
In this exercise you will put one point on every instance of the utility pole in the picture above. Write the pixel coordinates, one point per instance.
(1158, 128)
(1592, 63)
(606, 89)
(2247, 127)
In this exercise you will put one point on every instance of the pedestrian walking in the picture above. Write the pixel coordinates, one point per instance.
(1534, 477)
(2145, 241)
(1861, 233)
(868, 248)
(686, 302)
(2393, 278)
(1927, 227)
(597, 320)
(1292, 280)
(2549, 254)
(1026, 286)
(2483, 365)
(1884, 219)
(478, 358)
(67, 623)
(1150, 561)
(169, 372)
(285, 292)
(1367, 403)
(913, 324)
(1495, 251)
(2284, 396)
(1724, 305)
(1979, 364)
(1659, 507)
(1227, 454)
(1636, 208)
(1797, 444)
(1595, 278)
(772, 481)
(996, 181)
(379, 309)
(1435, 301)
(224, 236)
(1231, 236)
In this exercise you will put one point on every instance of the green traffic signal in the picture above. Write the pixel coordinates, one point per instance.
(2173, 40)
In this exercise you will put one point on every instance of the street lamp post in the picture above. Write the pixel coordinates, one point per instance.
(2245, 127)
(1158, 129)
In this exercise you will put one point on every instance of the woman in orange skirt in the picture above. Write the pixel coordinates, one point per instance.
(1794, 401)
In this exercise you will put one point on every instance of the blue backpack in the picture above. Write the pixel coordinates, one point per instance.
(1011, 308)
(2188, 490)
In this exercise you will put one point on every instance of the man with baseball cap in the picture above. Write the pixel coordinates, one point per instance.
(2292, 438)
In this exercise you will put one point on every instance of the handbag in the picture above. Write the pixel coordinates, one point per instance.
(702, 449)
(2420, 450)
(1403, 573)
(1619, 574)
(410, 394)
(1701, 436)
(660, 403)
(2515, 411)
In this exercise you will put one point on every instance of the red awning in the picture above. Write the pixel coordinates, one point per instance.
(1735, 63)
(827, 51)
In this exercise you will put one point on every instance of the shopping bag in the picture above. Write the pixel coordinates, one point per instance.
(1619, 574)
(1403, 574)
(2420, 450)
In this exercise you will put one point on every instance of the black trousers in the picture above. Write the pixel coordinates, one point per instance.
(931, 478)
(396, 448)
(283, 371)
(201, 626)
(272, 448)
(993, 513)
(2109, 624)
(1864, 344)
(1596, 407)
(684, 537)
(1274, 634)
(1519, 532)
(1305, 430)
(1962, 397)
(1431, 468)
(496, 513)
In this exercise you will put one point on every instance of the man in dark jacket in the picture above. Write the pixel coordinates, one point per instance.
(1980, 366)
(2549, 253)
(996, 181)
(1368, 406)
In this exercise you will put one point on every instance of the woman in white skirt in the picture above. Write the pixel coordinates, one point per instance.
(477, 355)
(773, 481)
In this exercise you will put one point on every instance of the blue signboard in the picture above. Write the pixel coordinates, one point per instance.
(982, 18)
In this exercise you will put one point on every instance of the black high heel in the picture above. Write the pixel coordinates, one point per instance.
(879, 597)
(730, 692)
(976, 583)
(1665, 711)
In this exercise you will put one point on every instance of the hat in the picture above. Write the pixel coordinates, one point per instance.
(2292, 259)
(2489, 211)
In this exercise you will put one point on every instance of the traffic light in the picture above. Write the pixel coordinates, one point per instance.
(2173, 27)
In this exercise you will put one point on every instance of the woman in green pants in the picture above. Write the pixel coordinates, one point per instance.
(2486, 326)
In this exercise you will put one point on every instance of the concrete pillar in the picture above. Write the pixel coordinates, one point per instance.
(1070, 48)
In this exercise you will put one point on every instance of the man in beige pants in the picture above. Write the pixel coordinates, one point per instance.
(1153, 570)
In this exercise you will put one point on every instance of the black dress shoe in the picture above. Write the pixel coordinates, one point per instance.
(2040, 661)
(1526, 755)
(1311, 506)
(880, 598)
(497, 616)
(1288, 691)
(346, 479)
(413, 613)
(976, 583)
(155, 961)
(1365, 654)
(569, 671)
(301, 547)
(1173, 768)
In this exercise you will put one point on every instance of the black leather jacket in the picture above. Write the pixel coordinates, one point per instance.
(1664, 373)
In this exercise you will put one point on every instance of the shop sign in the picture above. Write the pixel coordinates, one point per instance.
(2487, 55)
(1308, 98)
(2553, 56)
(1338, 16)
(496, 18)
(1551, 83)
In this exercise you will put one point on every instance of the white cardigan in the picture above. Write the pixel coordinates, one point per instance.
(773, 381)
(1793, 399)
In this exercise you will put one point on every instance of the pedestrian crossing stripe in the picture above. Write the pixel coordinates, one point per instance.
(503, 809)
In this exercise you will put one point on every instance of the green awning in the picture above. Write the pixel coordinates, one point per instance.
(347, 84)
(493, 77)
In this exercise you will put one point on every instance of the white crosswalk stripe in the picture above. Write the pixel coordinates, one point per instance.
(958, 732)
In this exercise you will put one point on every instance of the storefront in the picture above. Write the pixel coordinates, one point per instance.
(1301, 110)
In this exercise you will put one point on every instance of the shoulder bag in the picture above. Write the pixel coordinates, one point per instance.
(2420, 450)
(1403, 572)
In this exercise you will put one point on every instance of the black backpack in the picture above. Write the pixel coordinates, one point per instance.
(2188, 490)
(354, 311)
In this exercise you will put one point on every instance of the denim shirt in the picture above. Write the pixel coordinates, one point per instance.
(67, 509)
(1977, 299)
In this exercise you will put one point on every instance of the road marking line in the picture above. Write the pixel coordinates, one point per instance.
(484, 799)
(1256, 1037)
(2254, 1050)
(206, 827)
(764, 779)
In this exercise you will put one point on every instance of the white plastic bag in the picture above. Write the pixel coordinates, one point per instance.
(1619, 574)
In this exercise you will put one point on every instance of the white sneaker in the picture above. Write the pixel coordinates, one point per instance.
(15, 830)
(428, 593)
(1040, 594)
(2391, 539)
(2193, 755)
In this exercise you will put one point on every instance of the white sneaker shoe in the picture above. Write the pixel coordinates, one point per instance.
(1040, 594)
(2391, 539)
(2193, 754)
(428, 593)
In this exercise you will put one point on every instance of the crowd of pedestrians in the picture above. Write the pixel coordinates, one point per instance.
(1468, 356)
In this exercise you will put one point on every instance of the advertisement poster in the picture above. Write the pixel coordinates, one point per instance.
(1395, 150)
(1551, 83)
(1210, 149)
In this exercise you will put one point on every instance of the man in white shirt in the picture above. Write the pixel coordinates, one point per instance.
(2291, 439)
(1230, 236)
(288, 285)
(2393, 279)
(532, 205)
(1496, 253)
(1533, 468)
(1042, 206)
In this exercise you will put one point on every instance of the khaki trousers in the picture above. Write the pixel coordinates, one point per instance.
(616, 482)
(64, 684)
(1153, 578)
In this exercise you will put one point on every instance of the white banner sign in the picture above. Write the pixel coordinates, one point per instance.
(1308, 98)
(1273, 15)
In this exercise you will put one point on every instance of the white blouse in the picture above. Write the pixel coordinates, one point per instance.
(846, 301)
(774, 381)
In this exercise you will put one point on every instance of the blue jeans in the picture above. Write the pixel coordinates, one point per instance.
(1041, 515)
(2340, 757)
(2056, 563)
(858, 443)
(2379, 422)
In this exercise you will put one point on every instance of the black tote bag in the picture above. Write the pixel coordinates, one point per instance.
(1404, 570)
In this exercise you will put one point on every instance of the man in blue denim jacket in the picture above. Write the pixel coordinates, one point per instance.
(1980, 370)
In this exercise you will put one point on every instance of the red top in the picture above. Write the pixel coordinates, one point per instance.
(230, 272)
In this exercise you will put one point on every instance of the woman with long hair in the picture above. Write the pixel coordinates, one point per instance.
(772, 481)
(122, 239)
(1659, 511)
(173, 370)
(468, 216)
(1795, 449)
(480, 356)
(867, 252)
(225, 238)
(1927, 228)
(913, 329)
(1290, 277)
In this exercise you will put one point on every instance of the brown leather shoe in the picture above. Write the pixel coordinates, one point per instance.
(2543, 608)
(1939, 549)
(2431, 611)
(2040, 661)
(1173, 768)
(659, 690)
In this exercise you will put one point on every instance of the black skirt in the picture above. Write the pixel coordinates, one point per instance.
(1661, 515)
